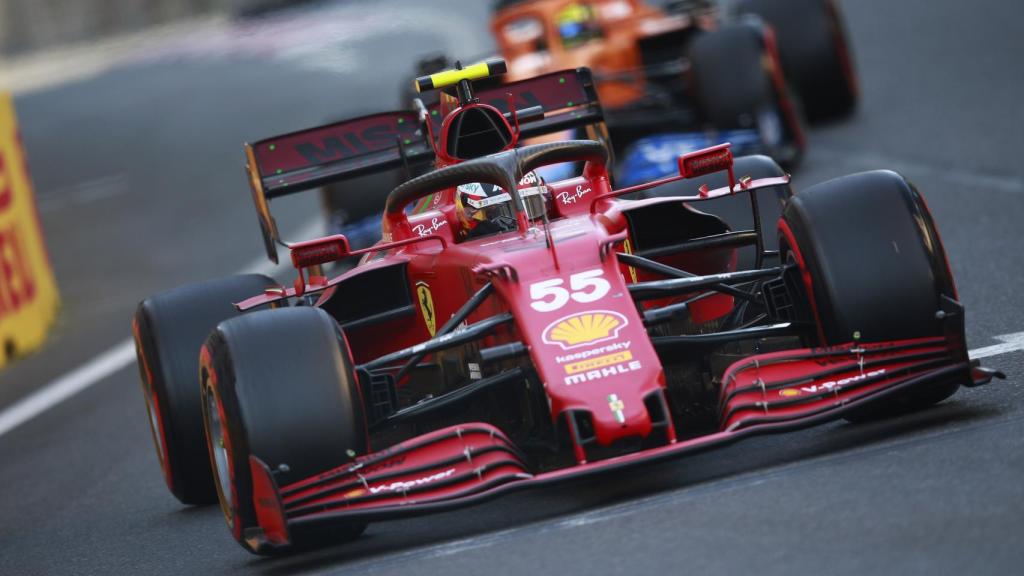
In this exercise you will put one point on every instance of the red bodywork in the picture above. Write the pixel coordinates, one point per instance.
(609, 373)
(470, 463)
(560, 290)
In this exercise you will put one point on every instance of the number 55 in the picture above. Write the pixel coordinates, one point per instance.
(587, 287)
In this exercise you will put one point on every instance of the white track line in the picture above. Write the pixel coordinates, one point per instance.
(68, 385)
(106, 364)
(123, 354)
(1011, 343)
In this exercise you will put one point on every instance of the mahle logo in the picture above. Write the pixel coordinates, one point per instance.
(584, 328)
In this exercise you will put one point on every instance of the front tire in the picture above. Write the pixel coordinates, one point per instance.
(874, 269)
(168, 330)
(279, 385)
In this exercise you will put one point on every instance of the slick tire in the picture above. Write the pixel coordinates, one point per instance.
(815, 54)
(873, 264)
(737, 82)
(279, 385)
(168, 330)
(729, 80)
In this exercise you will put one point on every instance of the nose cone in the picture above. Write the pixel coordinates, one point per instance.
(616, 417)
(600, 360)
(586, 339)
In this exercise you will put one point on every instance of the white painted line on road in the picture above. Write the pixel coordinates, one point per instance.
(67, 386)
(106, 364)
(1010, 343)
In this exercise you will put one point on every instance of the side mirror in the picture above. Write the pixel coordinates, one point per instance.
(319, 252)
(310, 255)
(707, 161)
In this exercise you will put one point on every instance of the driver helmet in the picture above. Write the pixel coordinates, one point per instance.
(484, 208)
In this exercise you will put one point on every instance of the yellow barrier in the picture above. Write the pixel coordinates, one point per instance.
(28, 292)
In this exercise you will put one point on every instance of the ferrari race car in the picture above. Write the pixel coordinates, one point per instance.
(511, 331)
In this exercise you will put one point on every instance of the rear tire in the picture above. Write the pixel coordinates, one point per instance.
(814, 51)
(729, 80)
(737, 83)
(279, 385)
(873, 265)
(168, 329)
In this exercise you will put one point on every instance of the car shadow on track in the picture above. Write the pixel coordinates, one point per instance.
(695, 477)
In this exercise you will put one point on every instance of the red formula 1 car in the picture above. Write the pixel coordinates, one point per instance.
(510, 332)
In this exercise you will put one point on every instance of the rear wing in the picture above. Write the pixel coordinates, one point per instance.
(315, 157)
(569, 100)
(310, 158)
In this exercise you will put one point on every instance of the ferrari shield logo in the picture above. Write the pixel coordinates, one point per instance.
(426, 307)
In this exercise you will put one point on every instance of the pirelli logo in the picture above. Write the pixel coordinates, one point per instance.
(599, 362)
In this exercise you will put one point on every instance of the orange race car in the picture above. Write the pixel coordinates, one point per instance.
(672, 77)
(626, 40)
(678, 75)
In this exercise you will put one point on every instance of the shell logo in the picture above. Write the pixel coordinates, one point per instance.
(584, 328)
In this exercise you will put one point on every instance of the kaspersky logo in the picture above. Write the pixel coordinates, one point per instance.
(584, 328)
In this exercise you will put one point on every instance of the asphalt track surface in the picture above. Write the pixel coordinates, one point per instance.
(139, 182)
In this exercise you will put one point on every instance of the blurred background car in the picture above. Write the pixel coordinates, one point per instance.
(696, 72)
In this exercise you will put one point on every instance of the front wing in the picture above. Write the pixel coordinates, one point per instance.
(470, 463)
